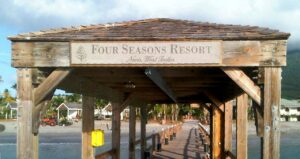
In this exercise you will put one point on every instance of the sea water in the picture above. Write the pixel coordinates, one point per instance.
(69, 146)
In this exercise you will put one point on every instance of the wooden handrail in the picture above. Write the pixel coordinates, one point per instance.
(112, 151)
(105, 154)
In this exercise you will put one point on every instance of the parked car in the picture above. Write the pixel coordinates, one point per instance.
(49, 121)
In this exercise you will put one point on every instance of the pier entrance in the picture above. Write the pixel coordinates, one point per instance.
(140, 63)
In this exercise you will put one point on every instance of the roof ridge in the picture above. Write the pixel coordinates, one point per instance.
(91, 26)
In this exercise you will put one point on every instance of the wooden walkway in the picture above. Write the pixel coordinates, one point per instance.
(186, 145)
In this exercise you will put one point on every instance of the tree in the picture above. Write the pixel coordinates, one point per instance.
(73, 98)
(7, 97)
(1, 79)
(56, 101)
(101, 103)
(14, 86)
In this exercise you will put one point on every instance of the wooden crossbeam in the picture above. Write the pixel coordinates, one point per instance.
(126, 101)
(156, 77)
(49, 84)
(214, 100)
(245, 83)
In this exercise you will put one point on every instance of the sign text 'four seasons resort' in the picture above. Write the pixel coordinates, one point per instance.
(146, 52)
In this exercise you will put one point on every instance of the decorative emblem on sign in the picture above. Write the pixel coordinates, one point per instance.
(80, 54)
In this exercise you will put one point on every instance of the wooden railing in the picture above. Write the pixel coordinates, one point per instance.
(205, 138)
(105, 154)
(157, 138)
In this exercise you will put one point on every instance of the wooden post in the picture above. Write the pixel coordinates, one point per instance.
(116, 124)
(132, 131)
(143, 131)
(272, 97)
(25, 148)
(216, 132)
(228, 127)
(154, 141)
(87, 127)
(241, 126)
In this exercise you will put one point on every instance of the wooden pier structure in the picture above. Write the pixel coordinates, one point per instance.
(145, 62)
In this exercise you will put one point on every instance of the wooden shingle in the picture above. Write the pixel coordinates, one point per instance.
(154, 29)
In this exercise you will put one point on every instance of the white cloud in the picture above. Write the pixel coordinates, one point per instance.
(40, 14)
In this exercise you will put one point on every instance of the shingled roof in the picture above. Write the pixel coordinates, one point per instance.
(154, 29)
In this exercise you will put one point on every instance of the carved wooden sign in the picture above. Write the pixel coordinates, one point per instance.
(147, 53)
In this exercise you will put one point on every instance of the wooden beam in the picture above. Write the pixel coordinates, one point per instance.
(25, 138)
(87, 127)
(228, 127)
(143, 130)
(259, 119)
(272, 99)
(126, 101)
(39, 111)
(132, 131)
(235, 53)
(155, 76)
(214, 100)
(116, 130)
(243, 81)
(241, 126)
(50, 84)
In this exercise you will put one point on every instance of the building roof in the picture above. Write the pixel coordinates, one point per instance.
(154, 29)
(290, 103)
(71, 105)
(12, 105)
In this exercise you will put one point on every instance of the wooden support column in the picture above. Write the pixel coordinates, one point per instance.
(228, 127)
(132, 132)
(25, 137)
(216, 132)
(241, 126)
(143, 131)
(116, 130)
(272, 97)
(87, 127)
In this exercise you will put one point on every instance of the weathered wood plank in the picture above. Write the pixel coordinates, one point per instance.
(228, 127)
(241, 126)
(25, 139)
(50, 84)
(242, 80)
(132, 132)
(272, 96)
(116, 129)
(235, 53)
(40, 54)
(254, 53)
(87, 127)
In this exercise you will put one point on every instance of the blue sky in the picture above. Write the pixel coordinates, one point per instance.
(17, 16)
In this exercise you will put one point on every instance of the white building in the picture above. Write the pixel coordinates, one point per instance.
(290, 110)
(74, 110)
(12, 107)
(106, 112)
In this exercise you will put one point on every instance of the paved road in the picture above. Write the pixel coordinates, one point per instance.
(186, 145)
